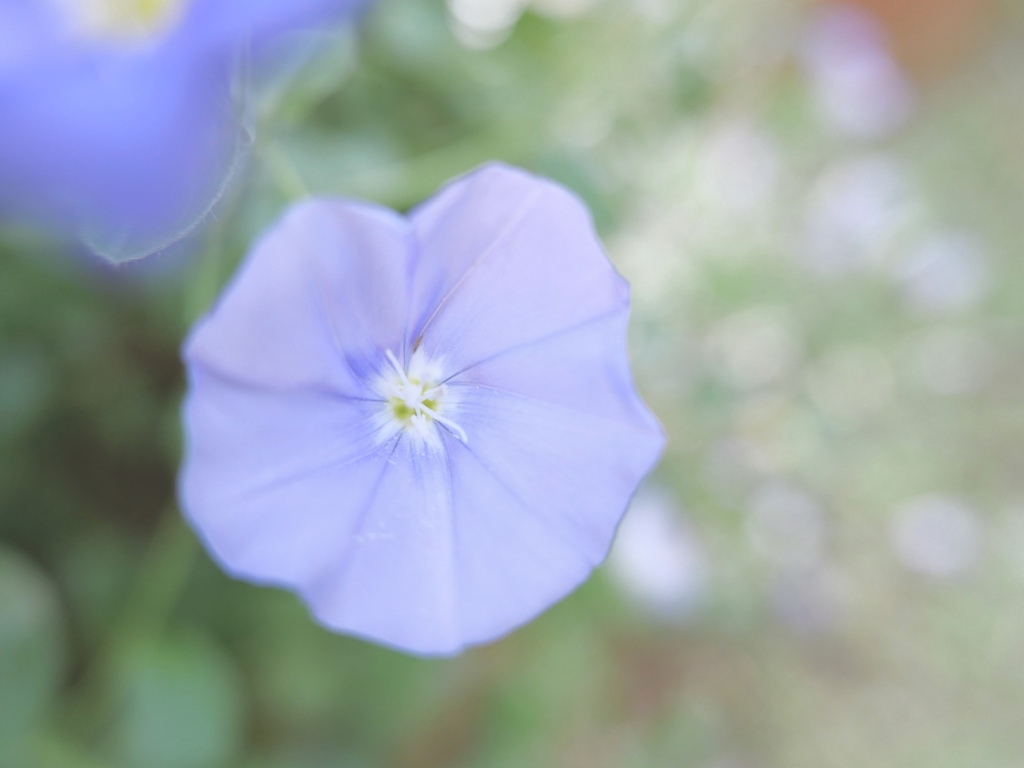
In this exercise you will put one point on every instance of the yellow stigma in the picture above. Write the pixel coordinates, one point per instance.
(123, 20)
(416, 400)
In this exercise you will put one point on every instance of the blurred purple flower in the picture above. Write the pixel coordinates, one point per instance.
(425, 426)
(858, 84)
(123, 122)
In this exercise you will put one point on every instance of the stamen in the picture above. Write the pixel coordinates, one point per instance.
(455, 429)
(415, 398)
(124, 21)
(398, 368)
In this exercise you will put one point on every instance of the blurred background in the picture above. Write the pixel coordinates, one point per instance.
(819, 209)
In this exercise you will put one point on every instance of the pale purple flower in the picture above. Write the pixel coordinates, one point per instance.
(657, 559)
(121, 123)
(947, 272)
(858, 84)
(424, 425)
(937, 536)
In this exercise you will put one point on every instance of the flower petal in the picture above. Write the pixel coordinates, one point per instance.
(585, 368)
(130, 151)
(221, 22)
(394, 582)
(26, 26)
(271, 479)
(426, 545)
(506, 258)
(294, 489)
(129, 145)
(315, 304)
(539, 490)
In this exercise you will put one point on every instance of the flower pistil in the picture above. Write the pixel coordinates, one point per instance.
(416, 398)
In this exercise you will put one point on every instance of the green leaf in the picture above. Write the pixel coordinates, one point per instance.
(179, 706)
(31, 649)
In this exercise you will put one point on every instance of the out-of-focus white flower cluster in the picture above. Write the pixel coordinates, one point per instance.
(823, 301)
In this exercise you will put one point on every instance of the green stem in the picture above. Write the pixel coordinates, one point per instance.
(283, 172)
(167, 564)
(207, 279)
(53, 752)
(422, 174)
(165, 568)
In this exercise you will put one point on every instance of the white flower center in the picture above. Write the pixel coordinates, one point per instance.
(125, 21)
(416, 400)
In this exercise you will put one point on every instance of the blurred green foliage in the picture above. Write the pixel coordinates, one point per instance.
(828, 325)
